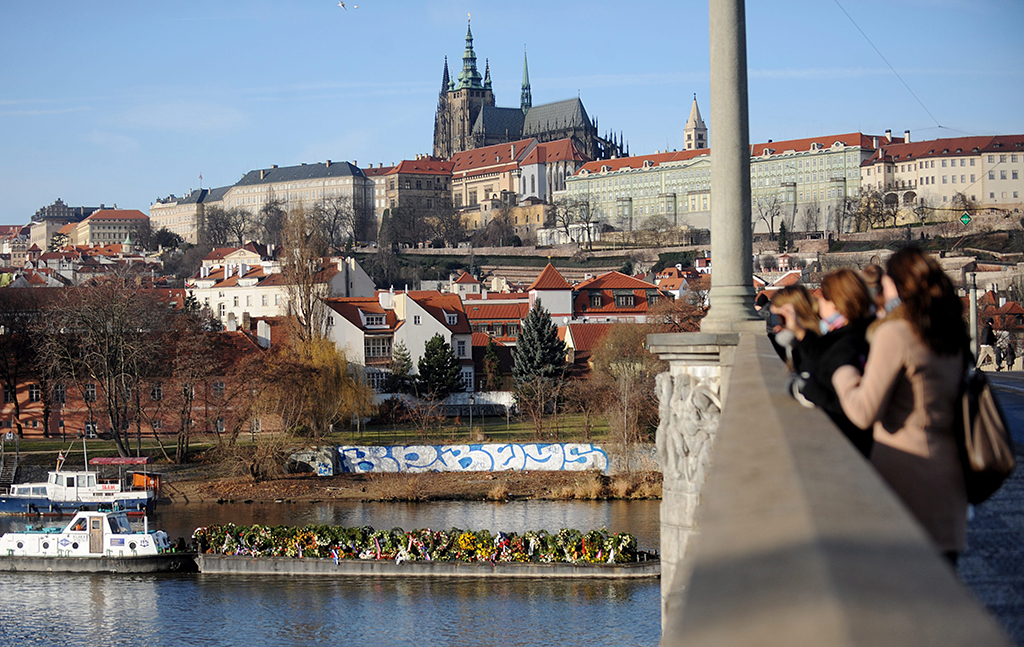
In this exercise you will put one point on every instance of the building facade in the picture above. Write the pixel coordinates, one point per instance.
(109, 226)
(184, 216)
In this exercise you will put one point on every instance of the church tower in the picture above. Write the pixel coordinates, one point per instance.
(525, 97)
(443, 118)
(695, 132)
(464, 101)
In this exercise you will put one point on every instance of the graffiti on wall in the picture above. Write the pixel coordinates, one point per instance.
(491, 457)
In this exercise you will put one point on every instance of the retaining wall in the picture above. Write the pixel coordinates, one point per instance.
(484, 457)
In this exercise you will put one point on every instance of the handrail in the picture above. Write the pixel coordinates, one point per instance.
(801, 543)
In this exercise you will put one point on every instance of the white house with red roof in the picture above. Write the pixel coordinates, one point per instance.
(616, 298)
(237, 284)
(108, 226)
(554, 293)
(367, 329)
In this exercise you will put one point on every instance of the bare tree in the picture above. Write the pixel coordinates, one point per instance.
(879, 209)
(103, 339)
(270, 221)
(19, 310)
(767, 209)
(223, 227)
(307, 286)
(335, 217)
(810, 219)
(447, 224)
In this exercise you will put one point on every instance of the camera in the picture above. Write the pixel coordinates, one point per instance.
(775, 319)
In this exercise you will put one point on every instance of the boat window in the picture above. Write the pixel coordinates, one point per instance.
(69, 481)
(79, 525)
(41, 491)
(119, 525)
(92, 481)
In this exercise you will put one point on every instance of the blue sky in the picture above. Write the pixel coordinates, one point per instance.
(124, 102)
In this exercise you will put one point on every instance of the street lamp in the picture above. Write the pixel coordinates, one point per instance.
(472, 400)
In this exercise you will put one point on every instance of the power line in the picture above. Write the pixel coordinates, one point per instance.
(882, 56)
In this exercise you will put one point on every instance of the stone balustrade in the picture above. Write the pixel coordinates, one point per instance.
(775, 531)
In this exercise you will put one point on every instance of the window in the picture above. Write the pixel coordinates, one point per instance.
(90, 432)
(59, 393)
(88, 393)
(374, 320)
(595, 300)
(8, 395)
(623, 300)
(460, 348)
(377, 347)
(263, 300)
(34, 393)
(452, 319)
(416, 320)
(466, 376)
(1014, 175)
(377, 380)
(991, 175)
(512, 330)
(277, 299)
(1002, 175)
(235, 302)
(156, 392)
(157, 425)
(218, 389)
(248, 301)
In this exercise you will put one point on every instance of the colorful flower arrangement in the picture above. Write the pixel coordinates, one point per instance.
(339, 542)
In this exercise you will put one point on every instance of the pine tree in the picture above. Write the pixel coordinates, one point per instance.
(440, 374)
(539, 353)
(492, 367)
(400, 377)
(783, 243)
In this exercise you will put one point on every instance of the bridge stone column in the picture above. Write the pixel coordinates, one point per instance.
(732, 290)
(691, 394)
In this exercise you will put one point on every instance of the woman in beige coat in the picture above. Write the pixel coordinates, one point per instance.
(908, 392)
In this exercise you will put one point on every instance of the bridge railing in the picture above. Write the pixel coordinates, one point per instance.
(796, 540)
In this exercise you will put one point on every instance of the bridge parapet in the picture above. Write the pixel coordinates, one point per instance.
(796, 540)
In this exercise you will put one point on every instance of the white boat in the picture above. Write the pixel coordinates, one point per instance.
(94, 541)
(65, 491)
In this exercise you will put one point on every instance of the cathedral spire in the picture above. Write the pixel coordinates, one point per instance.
(487, 74)
(469, 77)
(695, 133)
(446, 81)
(525, 97)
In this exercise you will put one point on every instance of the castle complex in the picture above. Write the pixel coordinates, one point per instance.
(467, 117)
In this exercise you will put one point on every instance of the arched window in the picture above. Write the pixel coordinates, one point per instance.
(533, 184)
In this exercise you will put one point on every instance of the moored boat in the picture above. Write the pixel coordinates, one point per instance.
(94, 541)
(66, 491)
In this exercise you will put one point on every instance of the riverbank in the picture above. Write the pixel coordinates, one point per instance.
(206, 486)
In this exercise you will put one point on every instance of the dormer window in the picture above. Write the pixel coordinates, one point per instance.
(452, 319)
(595, 300)
(375, 320)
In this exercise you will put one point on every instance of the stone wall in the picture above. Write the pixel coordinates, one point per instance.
(485, 457)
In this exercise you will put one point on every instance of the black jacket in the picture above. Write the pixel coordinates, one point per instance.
(817, 358)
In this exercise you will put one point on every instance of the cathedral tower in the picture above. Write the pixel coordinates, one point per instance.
(695, 132)
(525, 97)
(463, 102)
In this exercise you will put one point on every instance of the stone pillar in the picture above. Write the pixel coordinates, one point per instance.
(732, 291)
(690, 394)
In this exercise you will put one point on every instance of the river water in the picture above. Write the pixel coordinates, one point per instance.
(257, 611)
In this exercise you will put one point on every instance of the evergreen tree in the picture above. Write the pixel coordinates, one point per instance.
(401, 370)
(440, 374)
(492, 367)
(539, 353)
(783, 243)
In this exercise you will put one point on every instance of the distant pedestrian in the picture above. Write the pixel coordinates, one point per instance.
(1011, 355)
(987, 349)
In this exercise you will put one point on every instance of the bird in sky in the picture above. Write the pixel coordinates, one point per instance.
(342, 5)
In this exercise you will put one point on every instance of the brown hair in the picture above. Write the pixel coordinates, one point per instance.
(930, 303)
(872, 275)
(847, 291)
(803, 304)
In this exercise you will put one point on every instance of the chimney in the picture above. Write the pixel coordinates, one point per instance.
(888, 134)
(263, 334)
(906, 136)
(355, 163)
(328, 163)
(232, 324)
(273, 166)
(513, 151)
(263, 173)
(874, 142)
(386, 299)
(246, 321)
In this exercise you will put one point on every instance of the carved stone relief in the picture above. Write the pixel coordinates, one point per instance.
(690, 406)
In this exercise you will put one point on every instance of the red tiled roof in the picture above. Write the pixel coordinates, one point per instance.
(117, 214)
(638, 161)
(489, 156)
(496, 296)
(825, 141)
(549, 279)
(423, 166)
(900, 152)
(615, 281)
(586, 336)
(374, 171)
(483, 311)
(561, 150)
(350, 307)
(466, 277)
(438, 305)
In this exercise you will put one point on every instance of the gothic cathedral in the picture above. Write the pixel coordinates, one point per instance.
(467, 117)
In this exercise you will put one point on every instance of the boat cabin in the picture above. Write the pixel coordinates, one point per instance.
(89, 534)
